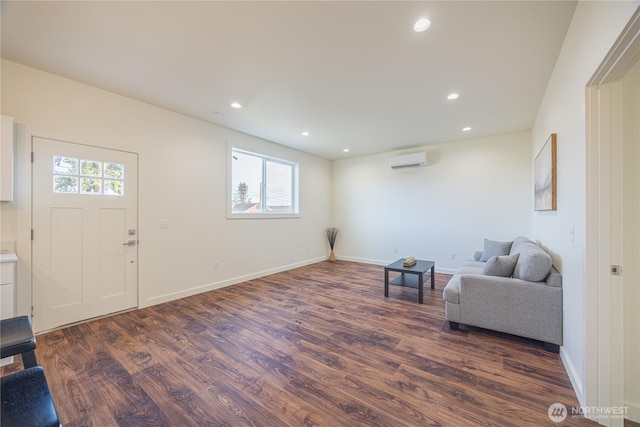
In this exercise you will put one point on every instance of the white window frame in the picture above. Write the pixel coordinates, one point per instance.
(295, 195)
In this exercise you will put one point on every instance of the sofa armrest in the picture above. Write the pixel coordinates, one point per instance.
(514, 306)
(477, 255)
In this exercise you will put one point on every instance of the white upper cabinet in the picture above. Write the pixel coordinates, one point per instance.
(6, 159)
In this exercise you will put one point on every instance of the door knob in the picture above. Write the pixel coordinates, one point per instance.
(131, 242)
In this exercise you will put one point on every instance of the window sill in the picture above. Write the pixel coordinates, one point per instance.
(263, 216)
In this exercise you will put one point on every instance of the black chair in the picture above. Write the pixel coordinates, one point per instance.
(16, 337)
(26, 400)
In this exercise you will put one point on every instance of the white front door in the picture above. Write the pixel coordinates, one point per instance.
(85, 255)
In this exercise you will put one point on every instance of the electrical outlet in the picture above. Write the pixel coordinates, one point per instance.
(216, 264)
(453, 255)
(395, 250)
(164, 223)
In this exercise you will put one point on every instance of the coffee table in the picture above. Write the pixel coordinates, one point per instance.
(411, 277)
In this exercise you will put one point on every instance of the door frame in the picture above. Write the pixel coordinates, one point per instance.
(604, 374)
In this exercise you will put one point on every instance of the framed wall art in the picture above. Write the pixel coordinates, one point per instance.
(545, 177)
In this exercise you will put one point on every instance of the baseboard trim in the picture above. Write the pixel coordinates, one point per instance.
(633, 413)
(239, 279)
(383, 263)
(224, 283)
(363, 260)
(575, 379)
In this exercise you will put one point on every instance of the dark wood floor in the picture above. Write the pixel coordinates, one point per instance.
(319, 345)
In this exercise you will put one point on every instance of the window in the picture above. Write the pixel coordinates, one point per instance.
(80, 176)
(262, 186)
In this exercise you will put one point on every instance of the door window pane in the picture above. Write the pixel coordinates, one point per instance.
(90, 168)
(90, 186)
(65, 165)
(114, 170)
(65, 184)
(113, 187)
(73, 176)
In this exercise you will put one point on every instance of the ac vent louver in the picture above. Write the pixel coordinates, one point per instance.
(414, 160)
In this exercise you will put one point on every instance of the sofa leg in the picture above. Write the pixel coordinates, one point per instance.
(552, 348)
(454, 325)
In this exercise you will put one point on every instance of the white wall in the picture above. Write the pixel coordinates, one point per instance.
(471, 189)
(182, 177)
(593, 30)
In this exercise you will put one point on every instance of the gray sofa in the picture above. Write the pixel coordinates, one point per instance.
(510, 287)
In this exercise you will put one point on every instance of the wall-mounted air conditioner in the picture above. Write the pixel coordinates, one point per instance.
(414, 160)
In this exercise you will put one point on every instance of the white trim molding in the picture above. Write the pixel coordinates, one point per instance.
(604, 376)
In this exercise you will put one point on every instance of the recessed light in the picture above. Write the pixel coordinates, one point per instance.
(305, 133)
(466, 129)
(346, 150)
(236, 105)
(421, 25)
(453, 96)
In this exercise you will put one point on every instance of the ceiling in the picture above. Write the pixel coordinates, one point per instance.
(353, 74)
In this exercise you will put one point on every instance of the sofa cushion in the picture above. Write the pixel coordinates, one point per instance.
(493, 248)
(500, 265)
(469, 263)
(469, 269)
(517, 242)
(554, 278)
(533, 265)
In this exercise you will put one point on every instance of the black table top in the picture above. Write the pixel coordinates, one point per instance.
(419, 267)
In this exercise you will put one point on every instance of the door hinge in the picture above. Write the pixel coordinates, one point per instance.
(32, 157)
(32, 312)
(32, 234)
(616, 270)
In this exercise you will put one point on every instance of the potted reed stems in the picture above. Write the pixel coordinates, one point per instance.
(332, 233)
